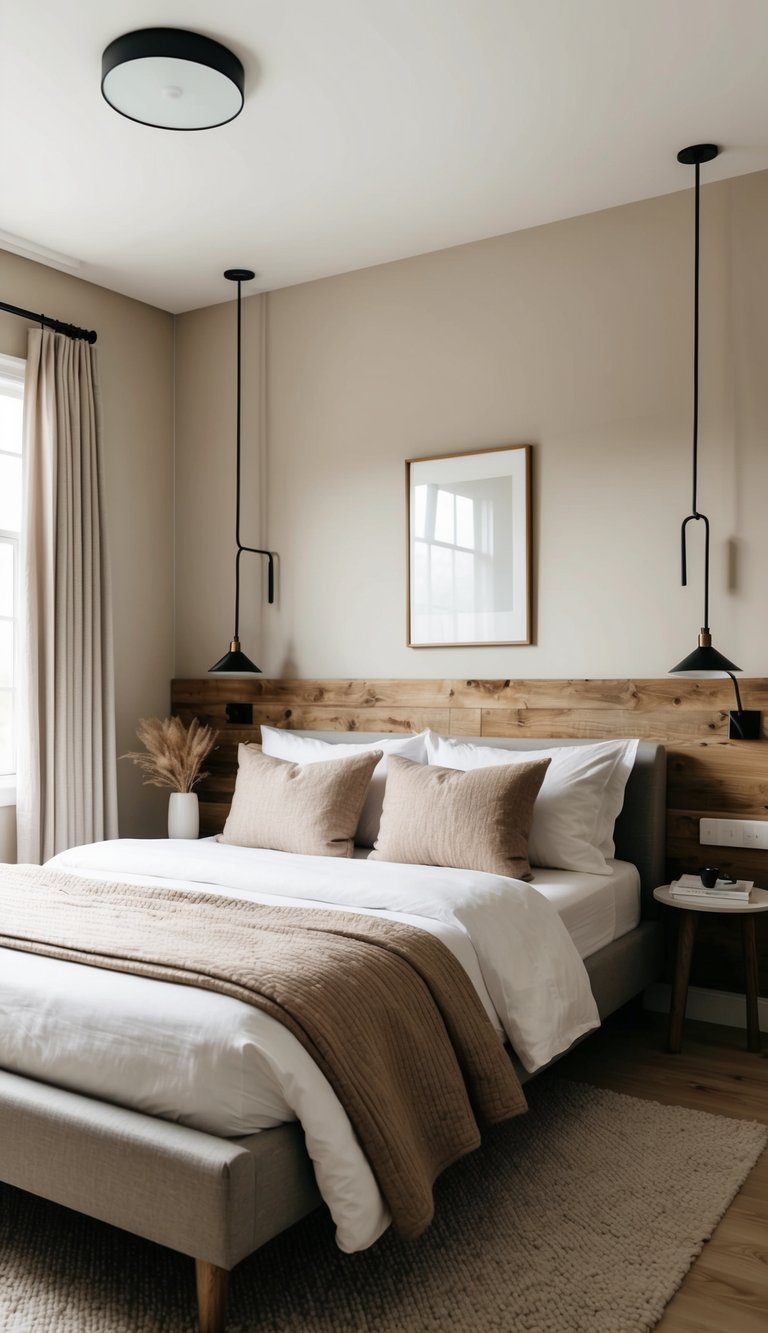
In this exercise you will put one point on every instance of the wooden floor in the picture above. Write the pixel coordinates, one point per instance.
(726, 1290)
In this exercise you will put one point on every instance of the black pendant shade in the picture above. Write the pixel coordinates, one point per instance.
(235, 661)
(702, 662)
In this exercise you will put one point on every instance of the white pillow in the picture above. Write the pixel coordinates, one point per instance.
(282, 744)
(579, 802)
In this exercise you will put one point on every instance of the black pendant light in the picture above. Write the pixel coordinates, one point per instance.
(704, 660)
(235, 661)
(172, 79)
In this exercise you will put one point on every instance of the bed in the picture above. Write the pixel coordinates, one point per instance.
(218, 1194)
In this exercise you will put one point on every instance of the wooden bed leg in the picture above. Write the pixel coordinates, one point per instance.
(212, 1283)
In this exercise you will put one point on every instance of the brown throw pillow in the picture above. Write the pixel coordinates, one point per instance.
(312, 809)
(474, 820)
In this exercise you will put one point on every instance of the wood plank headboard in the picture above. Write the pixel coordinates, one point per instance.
(707, 773)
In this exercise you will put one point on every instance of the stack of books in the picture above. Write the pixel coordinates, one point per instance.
(724, 891)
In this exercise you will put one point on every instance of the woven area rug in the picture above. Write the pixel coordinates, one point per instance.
(582, 1216)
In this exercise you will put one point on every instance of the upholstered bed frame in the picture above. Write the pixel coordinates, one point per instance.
(216, 1199)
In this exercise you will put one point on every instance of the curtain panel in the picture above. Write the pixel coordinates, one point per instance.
(66, 768)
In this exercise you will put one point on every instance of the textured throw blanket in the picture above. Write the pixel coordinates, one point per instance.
(384, 1009)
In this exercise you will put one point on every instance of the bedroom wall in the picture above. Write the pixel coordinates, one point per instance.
(576, 338)
(135, 347)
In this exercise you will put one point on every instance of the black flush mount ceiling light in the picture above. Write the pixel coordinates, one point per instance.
(172, 79)
(235, 661)
(706, 660)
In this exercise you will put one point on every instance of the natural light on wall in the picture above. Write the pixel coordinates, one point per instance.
(11, 395)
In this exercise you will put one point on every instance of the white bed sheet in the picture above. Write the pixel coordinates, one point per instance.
(215, 1063)
(595, 909)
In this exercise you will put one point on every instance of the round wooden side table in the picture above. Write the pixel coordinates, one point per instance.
(690, 908)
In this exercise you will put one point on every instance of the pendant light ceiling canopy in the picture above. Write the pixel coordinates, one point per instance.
(172, 79)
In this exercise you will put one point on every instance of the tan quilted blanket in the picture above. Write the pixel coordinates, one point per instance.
(384, 1009)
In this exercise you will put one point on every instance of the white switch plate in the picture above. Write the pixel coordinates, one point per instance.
(733, 833)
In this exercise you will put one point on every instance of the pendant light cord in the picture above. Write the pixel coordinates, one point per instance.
(255, 550)
(739, 704)
(697, 215)
(237, 467)
(695, 514)
(704, 660)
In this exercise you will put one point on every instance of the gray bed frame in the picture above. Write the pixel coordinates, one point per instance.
(216, 1199)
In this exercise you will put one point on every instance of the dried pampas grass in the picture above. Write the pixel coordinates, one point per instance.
(173, 754)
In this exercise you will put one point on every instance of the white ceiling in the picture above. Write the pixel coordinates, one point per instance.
(372, 129)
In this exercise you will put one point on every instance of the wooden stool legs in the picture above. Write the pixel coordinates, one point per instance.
(752, 978)
(685, 938)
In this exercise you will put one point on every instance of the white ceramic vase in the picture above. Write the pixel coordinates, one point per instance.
(183, 815)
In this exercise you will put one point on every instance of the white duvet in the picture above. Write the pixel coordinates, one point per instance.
(114, 1035)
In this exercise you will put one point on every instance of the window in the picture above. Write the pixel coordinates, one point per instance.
(11, 396)
(452, 552)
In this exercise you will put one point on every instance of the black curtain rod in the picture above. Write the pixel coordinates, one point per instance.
(58, 326)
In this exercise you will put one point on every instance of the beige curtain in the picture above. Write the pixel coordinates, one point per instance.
(66, 773)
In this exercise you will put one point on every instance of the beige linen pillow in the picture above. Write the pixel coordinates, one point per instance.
(578, 804)
(284, 744)
(475, 820)
(311, 809)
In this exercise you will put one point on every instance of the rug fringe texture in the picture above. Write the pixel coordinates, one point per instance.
(582, 1216)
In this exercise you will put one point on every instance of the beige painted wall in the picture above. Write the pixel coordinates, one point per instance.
(135, 347)
(576, 338)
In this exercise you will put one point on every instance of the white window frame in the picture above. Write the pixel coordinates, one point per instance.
(12, 370)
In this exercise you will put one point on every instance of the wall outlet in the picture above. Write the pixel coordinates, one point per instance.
(752, 833)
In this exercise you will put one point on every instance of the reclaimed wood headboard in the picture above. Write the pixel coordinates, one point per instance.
(707, 773)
